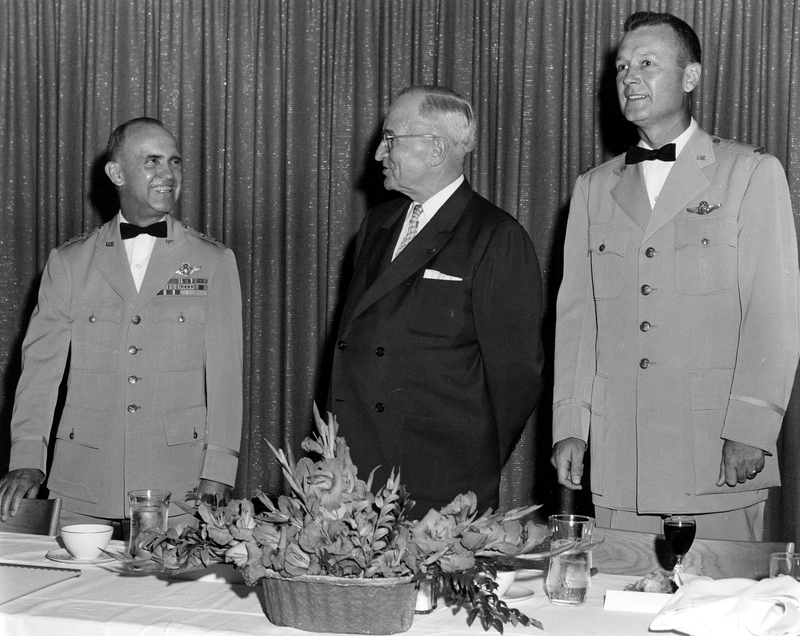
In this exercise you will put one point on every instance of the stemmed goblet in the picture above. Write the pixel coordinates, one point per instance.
(679, 532)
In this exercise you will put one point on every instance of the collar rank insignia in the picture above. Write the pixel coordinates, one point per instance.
(187, 270)
(704, 208)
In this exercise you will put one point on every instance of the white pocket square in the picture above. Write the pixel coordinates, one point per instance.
(433, 274)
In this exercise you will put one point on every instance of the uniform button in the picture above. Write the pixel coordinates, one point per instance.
(133, 379)
(650, 252)
(602, 248)
(72, 434)
(136, 320)
(133, 350)
(380, 351)
(132, 408)
(646, 289)
(181, 318)
(644, 363)
(380, 407)
(341, 345)
(645, 326)
(704, 241)
(92, 318)
(194, 434)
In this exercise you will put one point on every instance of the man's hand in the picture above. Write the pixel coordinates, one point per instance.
(19, 483)
(740, 462)
(567, 459)
(217, 488)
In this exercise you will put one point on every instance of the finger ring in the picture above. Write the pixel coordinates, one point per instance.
(751, 474)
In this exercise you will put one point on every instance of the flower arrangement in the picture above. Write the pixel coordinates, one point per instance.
(332, 524)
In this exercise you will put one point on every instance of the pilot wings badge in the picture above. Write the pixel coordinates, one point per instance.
(187, 270)
(704, 208)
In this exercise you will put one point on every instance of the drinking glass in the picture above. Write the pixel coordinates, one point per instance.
(569, 573)
(679, 532)
(148, 509)
(787, 563)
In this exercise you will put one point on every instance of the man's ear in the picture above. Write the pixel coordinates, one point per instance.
(439, 151)
(114, 173)
(691, 76)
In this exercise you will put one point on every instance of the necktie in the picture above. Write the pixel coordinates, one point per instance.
(413, 224)
(636, 154)
(129, 230)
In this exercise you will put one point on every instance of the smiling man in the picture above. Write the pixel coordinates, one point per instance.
(148, 313)
(438, 356)
(677, 319)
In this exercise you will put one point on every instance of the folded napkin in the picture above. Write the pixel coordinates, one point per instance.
(729, 607)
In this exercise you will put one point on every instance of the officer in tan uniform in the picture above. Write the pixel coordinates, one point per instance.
(677, 326)
(148, 313)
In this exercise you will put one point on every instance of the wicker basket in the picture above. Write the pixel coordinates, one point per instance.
(340, 605)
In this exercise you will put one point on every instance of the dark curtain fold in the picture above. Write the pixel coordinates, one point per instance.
(278, 105)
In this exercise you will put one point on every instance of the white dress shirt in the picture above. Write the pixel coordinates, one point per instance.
(657, 171)
(429, 208)
(139, 250)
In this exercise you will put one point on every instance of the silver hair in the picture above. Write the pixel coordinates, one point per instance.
(450, 114)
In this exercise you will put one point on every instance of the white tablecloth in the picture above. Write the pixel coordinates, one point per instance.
(105, 599)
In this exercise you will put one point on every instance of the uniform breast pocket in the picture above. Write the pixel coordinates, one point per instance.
(438, 307)
(607, 247)
(95, 328)
(705, 254)
(180, 333)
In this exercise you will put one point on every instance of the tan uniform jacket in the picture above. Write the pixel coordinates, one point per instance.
(154, 394)
(678, 329)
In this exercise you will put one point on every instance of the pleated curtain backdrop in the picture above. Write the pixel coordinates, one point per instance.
(278, 106)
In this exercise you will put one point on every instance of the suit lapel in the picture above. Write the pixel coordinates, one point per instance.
(423, 248)
(112, 262)
(380, 255)
(685, 181)
(630, 193)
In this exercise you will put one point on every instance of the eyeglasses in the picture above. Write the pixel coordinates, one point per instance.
(388, 138)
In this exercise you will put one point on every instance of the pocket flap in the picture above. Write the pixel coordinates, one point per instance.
(705, 232)
(185, 425)
(96, 309)
(605, 238)
(82, 426)
(180, 310)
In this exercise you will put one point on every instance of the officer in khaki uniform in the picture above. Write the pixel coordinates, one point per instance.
(148, 313)
(677, 326)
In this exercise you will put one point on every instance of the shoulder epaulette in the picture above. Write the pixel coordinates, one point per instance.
(78, 238)
(205, 237)
(736, 146)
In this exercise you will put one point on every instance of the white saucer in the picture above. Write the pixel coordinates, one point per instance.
(517, 593)
(62, 556)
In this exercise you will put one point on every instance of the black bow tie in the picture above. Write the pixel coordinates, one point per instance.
(129, 230)
(636, 154)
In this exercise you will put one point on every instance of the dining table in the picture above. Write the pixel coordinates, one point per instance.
(107, 598)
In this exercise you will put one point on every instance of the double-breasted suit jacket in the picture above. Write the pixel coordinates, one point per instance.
(154, 393)
(438, 357)
(678, 328)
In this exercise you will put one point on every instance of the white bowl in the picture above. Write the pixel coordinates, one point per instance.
(504, 580)
(85, 541)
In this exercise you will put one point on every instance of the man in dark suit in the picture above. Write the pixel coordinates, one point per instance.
(148, 312)
(438, 358)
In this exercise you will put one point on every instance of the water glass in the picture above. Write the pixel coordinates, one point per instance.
(568, 576)
(148, 509)
(787, 563)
